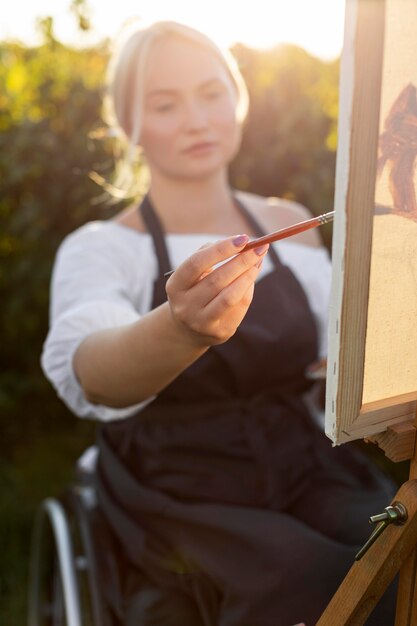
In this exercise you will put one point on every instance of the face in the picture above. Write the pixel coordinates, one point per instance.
(189, 128)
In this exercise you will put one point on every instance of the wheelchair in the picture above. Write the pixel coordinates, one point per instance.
(77, 569)
(73, 552)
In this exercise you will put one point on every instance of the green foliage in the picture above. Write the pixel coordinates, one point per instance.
(50, 100)
(289, 145)
(81, 12)
(49, 104)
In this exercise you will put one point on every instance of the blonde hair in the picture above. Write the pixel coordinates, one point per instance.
(123, 103)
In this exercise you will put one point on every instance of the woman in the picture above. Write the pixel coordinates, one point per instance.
(230, 504)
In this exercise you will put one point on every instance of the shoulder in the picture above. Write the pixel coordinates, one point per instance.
(103, 246)
(275, 213)
(102, 235)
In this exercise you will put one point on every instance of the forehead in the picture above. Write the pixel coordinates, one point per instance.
(176, 63)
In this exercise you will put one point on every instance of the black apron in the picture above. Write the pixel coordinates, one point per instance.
(205, 486)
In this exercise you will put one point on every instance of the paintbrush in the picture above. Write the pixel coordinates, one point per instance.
(283, 233)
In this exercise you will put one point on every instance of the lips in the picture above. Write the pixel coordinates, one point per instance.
(202, 147)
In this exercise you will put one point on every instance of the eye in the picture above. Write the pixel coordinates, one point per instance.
(213, 94)
(161, 104)
(164, 107)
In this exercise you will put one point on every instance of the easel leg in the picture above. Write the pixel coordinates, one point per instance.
(368, 578)
(406, 614)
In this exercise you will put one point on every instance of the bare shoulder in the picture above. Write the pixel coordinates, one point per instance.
(276, 213)
(131, 218)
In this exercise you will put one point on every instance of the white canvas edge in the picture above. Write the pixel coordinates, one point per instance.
(346, 94)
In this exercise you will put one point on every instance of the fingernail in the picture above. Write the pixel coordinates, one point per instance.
(240, 240)
(261, 249)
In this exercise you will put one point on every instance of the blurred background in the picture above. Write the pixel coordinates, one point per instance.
(53, 149)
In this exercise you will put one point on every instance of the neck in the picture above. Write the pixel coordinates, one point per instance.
(192, 206)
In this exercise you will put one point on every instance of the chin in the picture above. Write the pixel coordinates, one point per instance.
(199, 170)
(198, 176)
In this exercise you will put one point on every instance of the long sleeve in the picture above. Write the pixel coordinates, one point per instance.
(100, 280)
(103, 277)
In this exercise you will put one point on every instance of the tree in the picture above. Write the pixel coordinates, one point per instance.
(289, 145)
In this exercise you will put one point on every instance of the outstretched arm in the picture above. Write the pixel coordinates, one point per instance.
(122, 366)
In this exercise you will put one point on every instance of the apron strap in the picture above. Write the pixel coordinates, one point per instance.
(154, 227)
(257, 229)
(156, 230)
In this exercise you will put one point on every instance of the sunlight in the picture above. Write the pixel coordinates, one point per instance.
(264, 24)
(317, 26)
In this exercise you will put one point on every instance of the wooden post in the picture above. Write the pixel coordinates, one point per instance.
(407, 589)
(366, 581)
(368, 578)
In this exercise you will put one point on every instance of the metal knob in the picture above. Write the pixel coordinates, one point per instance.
(395, 513)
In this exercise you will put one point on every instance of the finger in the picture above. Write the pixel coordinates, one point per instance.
(189, 272)
(219, 326)
(213, 283)
(205, 245)
(224, 319)
(205, 274)
(239, 292)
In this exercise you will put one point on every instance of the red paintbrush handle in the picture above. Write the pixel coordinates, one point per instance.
(283, 233)
(290, 230)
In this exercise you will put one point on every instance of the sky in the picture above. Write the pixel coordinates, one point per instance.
(316, 25)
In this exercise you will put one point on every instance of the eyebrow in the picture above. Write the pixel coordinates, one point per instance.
(172, 92)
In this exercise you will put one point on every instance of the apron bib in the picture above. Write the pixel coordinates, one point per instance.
(231, 429)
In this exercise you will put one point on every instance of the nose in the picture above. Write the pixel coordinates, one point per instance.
(195, 115)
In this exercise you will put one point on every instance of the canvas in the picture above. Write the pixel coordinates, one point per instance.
(372, 363)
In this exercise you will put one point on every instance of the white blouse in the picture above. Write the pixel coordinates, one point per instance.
(103, 277)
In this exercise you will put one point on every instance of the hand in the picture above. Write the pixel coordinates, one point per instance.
(208, 303)
(317, 370)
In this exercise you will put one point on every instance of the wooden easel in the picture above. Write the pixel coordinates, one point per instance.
(395, 550)
(377, 51)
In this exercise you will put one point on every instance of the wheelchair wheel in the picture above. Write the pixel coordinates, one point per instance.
(54, 598)
(71, 556)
